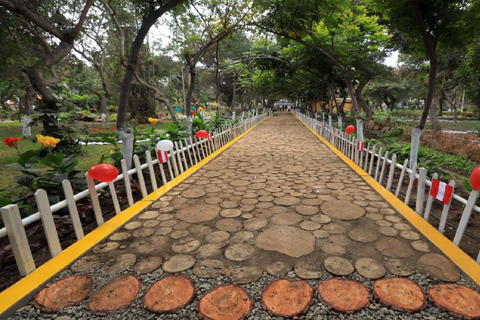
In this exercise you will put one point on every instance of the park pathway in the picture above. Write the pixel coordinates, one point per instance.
(277, 225)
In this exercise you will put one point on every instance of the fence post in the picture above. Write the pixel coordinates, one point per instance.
(400, 179)
(94, 197)
(151, 171)
(141, 181)
(467, 212)
(446, 209)
(51, 234)
(382, 172)
(413, 176)
(391, 172)
(126, 179)
(179, 157)
(72, 208)
(377, 168)
(421, 191)
(18, 239)
(371, 160)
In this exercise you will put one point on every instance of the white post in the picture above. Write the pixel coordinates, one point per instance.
(340, 122)
(18, 239)
(94, 197)
(382, 172)
(421, 191)
(151, 171)
(415, 143)
(391, 172)
(400, 179)
(188, 151)
(49, 228)
(330, 120)
(126, 181)
(413, 176)
(467, 212)
(113, 193)
(161, 167)
(430, 199)
(371, 160)
(179, 157)
(378, 163)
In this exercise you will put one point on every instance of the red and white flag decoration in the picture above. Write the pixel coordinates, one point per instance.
(441, 191)
(231, 128)
(323, 125)
(360, 145)
(162, 156)
(335, 132)
(209, 137)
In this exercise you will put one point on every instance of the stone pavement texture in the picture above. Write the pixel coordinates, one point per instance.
(276, 226)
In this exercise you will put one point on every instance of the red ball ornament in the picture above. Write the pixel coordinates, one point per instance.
(103, 172)
(349, 129)
(475, 178)
(201, 134)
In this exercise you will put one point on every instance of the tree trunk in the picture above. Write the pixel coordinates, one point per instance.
(433, 114)
(361, 102)
(356, 111)
(188, 100)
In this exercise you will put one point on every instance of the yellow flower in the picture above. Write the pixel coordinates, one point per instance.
(112, 152)
(215, 105)
(47, 141)
(152, 121)
(201, 109)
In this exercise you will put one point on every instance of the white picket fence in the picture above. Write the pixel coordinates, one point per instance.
(384, 168)
(185, 154)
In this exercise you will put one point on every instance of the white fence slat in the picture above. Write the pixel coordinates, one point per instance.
(72, 209)
(173, 160)
(377, 167)
(126, 180)
(94, 198)
(384, 164)
(113, 194)
(413, 176)
(446, 209)
(162, 169)
(467, 212)
(189, 153)
(151, 170)
(179, 157)
(18, 239)
(428, 207)
(141, 180)
(184, 154)
(401, 178)
(371, 160)
(391, 173)
(171, 157)
(421, 191)
(48, 223)
(367, 150)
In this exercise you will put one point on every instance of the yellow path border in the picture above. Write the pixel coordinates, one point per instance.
(460, 258)
(13, 296)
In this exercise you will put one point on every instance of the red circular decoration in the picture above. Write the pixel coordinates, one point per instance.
(201, 134)
(350, 129)
(103, 172)
(475, 178)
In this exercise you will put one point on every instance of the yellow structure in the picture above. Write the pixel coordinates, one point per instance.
(317, 105)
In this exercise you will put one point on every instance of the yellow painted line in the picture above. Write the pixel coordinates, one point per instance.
(469, 266)
(14, 295)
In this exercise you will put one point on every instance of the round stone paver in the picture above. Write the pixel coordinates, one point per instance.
(363, 235)
(421, 246)
(208, 268)
(239, 252)
(321, 218)
(369, 268)
(143, 232)
(86, 263)
(179, 234)
(307, 270)
(120, 263)
(293, 242)
(119, 236)
(335, 228)
(344, 295)
(194, 193)
(286, 218)
(148, 215)
(394, 248)
(185, 245)
(286, 201)
(209, 250)
(287, 298)
(63, 293)
(388, 231)
(306, 210)
(310, 225)
(278, 268)
(321, 234)
(246, 274)
(399, 267)
(338, 266)
(115, 294)
(410, 235)
(231, 213)
(459, 300)
(254, 224)
(333, 248)
(437, 266)
(178, 263)
(148, 264)
(400, 293)
(230, 225)
(227, 302)
(343, 210)
(106, 247)
(169, 294)
(217, 236)
(198, 213)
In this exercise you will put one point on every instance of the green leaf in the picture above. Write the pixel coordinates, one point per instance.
(25, 157)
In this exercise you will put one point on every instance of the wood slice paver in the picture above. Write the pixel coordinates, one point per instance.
(208, 268)
(344, 295)
(169, 294)
(178, 263)
(227, 302)
(338, 266)
(287, 298)
(437, 266)
(369, 268)
(115, 294)
(308, 270)
(291, 241)
(459, 300)
(278, 268)
(239, 252)
(148, 264)
(198, 213)
(63, 293)
(400, 293)
(343, 210)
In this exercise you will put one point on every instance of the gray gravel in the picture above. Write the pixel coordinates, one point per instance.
(317, 311)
